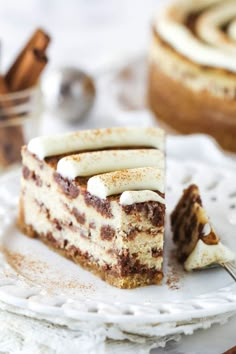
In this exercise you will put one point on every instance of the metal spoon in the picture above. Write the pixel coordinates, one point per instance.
(69, 93)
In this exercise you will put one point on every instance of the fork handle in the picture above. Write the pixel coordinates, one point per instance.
(231, 269)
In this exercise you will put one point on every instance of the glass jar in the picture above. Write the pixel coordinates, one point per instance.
(19, 122)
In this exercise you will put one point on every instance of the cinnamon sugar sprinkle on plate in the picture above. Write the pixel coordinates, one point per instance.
(33, 269)
(173, 274)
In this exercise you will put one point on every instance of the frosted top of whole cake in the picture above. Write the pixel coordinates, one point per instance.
(208, 44)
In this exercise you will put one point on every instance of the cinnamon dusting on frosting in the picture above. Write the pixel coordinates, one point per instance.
(134, 179)
(45, 146)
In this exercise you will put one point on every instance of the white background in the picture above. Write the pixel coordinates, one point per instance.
(84, 32)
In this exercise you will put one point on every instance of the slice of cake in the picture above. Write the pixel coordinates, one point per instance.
(197, 243)
(97, 197)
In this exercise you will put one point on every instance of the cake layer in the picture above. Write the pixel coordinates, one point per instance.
(99, 240)
(138, 277)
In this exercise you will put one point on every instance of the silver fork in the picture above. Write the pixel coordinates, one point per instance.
(230, 267)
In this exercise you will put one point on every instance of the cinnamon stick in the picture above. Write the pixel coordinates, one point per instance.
(38, 41)
(29, 69)
(3, 86)
(24, 73)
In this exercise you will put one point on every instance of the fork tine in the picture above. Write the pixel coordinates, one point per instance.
(230, 267)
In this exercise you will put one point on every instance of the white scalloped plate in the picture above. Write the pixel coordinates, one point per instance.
(40, 283)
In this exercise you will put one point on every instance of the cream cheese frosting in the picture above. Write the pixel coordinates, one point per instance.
(208, 26)
(45, 146)
(204, 255)
(92, 163)
(118, 182)
(198, 48)
(132, 197)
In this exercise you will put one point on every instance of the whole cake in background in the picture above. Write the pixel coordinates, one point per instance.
(192, 68)
(97, 197)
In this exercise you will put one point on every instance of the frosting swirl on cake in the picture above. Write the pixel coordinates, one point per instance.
(92, 163)
(201, 31)
(132, 197)
(53, 145)
(133, 179)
